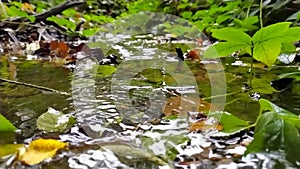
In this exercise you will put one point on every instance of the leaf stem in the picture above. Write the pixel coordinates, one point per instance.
(260, 13)
(251, 66)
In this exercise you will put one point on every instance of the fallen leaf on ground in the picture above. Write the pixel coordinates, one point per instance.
(40, 150)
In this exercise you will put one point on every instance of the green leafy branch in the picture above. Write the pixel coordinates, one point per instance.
(265, 45)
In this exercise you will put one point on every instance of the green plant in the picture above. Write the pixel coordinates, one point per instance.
(276, 131)
(265, 45)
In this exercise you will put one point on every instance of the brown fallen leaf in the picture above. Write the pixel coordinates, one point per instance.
(40, 150)
(59, 48)
(204, 125)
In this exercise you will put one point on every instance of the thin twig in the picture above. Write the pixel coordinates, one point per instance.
(34, 86)
(3, 8)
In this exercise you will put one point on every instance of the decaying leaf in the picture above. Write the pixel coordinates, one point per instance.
(40, 150)
(181, 105)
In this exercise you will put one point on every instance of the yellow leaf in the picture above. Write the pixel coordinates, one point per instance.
(27, 7)
(40, 150)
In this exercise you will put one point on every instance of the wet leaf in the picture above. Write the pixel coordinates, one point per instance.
(54, 121)
(40, 150)
(276, 135)
(6, 126)
(230, 122)
(8, 149)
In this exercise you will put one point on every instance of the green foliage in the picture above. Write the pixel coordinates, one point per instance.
(275, 132)
(265, 45)
(294, 75)
(6, 126)
(14, 10)
(63, 22)
(230, 122)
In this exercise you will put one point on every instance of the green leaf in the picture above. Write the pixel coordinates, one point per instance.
(227, 48)
(288, 47)
(295, 75)
(15, 12)
(5, 125)
(266, 105)
(291, 35)
(276, 135)
(105, 70)
(232, 35)
(267, 51)
(230, 122)
(275, 31)
(187, 14)
(54, 121)
(248, 23)
(90, 32)
(210, 52)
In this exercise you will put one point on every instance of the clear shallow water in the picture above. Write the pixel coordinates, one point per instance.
(96, 101)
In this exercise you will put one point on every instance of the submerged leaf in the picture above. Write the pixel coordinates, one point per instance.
(54, 121)
(105, 70)
(126, 152)
(40, 150)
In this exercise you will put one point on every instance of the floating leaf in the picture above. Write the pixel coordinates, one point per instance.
(40, 150)
(8, 149)
(54, 121)
(6, 126)
(230, 122)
